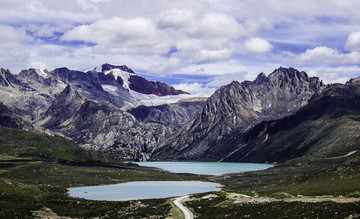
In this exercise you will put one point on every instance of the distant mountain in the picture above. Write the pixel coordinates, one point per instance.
(328, 127)
(118, 85)
(236, 108)
(61, 101)
(103, 127)
(137, 83)
(272, 119)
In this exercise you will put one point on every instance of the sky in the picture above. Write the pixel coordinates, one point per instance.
(197, 46)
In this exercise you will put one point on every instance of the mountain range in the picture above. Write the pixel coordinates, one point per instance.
(274, 118)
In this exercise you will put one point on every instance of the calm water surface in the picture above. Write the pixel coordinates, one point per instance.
(207, 168)
(165, 189)
(143, 190)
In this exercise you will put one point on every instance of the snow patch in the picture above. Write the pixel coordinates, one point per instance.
(41, 72)
(123, 75)
(62, 85)
(110, 89)
(145, 99)
(153, 100)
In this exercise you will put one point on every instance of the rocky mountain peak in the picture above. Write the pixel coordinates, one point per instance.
(7, 79)
(36, 75)
(354, 81)
(239, 106)
(261, 78)
(287, 75)
(107, 67)
(3, 77)
(66, 75)
(63, 108)
(31, 72)
(141, 85)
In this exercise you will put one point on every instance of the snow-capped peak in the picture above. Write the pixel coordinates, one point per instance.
(122, 74)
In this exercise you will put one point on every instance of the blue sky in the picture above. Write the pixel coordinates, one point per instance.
(197, 46)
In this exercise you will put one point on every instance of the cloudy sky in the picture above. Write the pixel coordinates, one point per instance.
(194, 45)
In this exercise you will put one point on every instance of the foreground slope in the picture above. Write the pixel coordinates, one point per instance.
(36, 170)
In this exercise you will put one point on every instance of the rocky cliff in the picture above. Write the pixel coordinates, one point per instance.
(173, 115)
(271, 119)
(328, 127)
(236, 108)
(82, 106)
(10, 119)
(103, 127)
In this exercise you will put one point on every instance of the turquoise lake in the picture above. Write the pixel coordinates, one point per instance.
(142, 190)
(207, 168)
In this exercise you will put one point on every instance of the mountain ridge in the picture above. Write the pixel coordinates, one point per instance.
(237, 123)
(236, 108)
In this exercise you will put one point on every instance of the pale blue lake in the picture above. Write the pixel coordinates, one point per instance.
(206, 168)
(143, 190)
(165, 189)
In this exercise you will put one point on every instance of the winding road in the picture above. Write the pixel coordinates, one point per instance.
(185, 210)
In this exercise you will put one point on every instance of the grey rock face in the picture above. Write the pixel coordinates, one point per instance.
(11, 120)
(62, 109)
(85, 107)
(26, 94)
(237, 107)
(107, 67)
(327, 127)
(89, 85)
(74, 104)
(171, 115)
(100, 126)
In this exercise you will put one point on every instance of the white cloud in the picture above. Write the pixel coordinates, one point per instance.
(257, 45)
(324, 55)
(204, 37)
(175, 18)
(13, 51)
(216, 25)
(193, 44)
(195, 89)
(119, 35)
(11, 34)
(347, 8)
(209, 56)
(46, 11)
(353, 42)
(221, 80)
(171, 65)
(47, 30)
(13, 56)
(340, 74)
